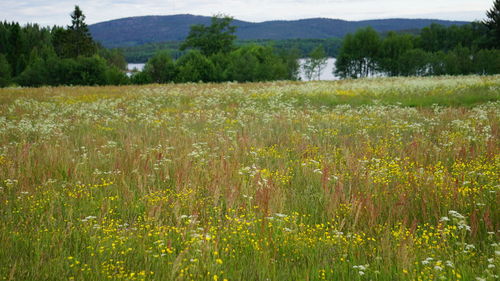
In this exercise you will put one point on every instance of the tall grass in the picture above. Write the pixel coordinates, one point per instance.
(387, 179)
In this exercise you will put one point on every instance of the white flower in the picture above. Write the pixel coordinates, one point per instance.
(456, 214)
(280, 215)
(317, 171)
(89, 218)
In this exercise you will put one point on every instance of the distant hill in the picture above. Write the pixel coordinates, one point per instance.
(147, 29)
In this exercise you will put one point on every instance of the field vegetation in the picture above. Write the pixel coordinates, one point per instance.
(384, 179)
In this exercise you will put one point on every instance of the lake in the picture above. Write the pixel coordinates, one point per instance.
(326, 74)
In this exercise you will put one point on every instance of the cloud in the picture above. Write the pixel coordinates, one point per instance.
(50, 12)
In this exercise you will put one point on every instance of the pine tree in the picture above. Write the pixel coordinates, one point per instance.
(76, 40)
(78, 21)
(5, 71)
(493, 23)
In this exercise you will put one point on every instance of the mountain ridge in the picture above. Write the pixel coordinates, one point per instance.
(132, 31)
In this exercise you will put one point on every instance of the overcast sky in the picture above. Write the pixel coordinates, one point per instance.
(50, 12)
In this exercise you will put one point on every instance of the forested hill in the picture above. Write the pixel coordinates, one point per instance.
(147, 29)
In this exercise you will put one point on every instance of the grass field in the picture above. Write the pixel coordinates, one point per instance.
(383, 179)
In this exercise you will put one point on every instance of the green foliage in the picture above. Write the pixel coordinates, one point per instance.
(75, 40)
(414, 62)
(291, 59)
(115, 76)
(220, 63)
(487, 62)
(15, 46)
(217, 38)
(256, 63)
(5, 71)
(80, 71)
(297, 47)
(114, 57)
(493, 23)
(359, 53)
(140, 78)
(393, 47)
(194, 67)
(459, 61)
(438, 50)
(315, 63)
(160, 68)
(57, 56)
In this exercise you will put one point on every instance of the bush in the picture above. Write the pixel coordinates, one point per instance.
(256, 63)
(160, 68)
(487, 62)
(194, 67)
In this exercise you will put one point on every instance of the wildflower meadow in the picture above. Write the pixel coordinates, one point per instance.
(369, 179)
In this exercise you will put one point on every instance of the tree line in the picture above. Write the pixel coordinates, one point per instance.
(34, 56)
(211, 55)
(457, 50)
(141, 53)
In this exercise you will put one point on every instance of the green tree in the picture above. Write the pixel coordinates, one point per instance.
(291, 59)
(38, 73)
(4, 38)
(315, 63)
(5, 71)
(160, 68)
(458, 61)
(256, 63)
(391, 51)
(115, 76)
(114, 57)
(493, 23)
(75, 40)
(438, 63)
(218, 37)
(358, 54)
(194, 67)
(220, 62)
(487, 62)
(415, 62)
(15, 49)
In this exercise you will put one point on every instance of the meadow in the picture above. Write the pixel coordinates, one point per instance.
(370, 179)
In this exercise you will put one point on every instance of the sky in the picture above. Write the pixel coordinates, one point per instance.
(56, 12)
